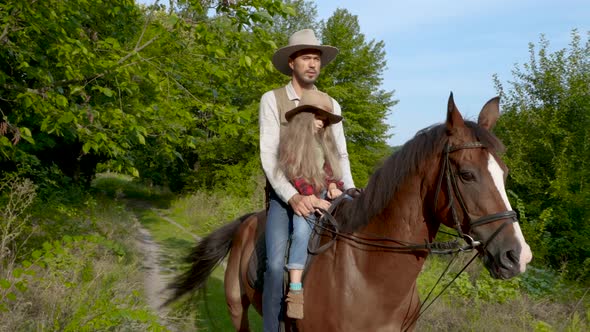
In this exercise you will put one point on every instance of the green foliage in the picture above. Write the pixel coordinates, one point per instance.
(74, 272)
(540, 283)
(550, 173)
(62, 61)
(474, 285)
(202, 212)
(112, 83)
(354, 79)
(67, 266)
(475, 301)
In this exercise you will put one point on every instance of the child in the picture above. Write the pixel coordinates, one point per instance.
(308, 157)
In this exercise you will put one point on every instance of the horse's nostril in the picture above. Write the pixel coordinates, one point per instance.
(512, 257)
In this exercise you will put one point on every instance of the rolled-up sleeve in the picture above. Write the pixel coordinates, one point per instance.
(338, 131)
(270, 129)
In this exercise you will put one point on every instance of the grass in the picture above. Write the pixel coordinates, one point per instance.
(211, 311)
(77, 272)
(80, 271)
(203, 212)
(476, 302)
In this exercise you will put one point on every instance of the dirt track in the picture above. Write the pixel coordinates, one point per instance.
(155, 281)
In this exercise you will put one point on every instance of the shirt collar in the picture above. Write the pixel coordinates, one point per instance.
(291, 91)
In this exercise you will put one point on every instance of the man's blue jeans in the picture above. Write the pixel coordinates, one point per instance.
(278, 227)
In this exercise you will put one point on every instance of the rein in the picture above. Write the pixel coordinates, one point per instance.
(328, 223)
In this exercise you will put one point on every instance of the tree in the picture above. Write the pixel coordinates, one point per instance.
(546, 127)
(85, 82)
(223, 68)
(354, 79)
(59, 59)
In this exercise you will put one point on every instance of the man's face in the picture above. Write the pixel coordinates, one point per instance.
(306, 65)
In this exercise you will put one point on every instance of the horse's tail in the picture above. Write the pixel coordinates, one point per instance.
(204, 258)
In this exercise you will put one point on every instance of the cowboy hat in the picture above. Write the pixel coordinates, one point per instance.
(301, 40)
(316, 102)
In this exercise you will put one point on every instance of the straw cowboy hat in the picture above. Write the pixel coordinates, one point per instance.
(316, 102)
(301, 40)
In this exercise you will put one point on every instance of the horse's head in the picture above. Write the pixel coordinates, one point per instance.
(470, 194)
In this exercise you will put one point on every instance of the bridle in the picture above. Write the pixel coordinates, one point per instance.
(328, 223)
(453, 191)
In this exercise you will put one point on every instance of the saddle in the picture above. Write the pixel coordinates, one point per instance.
(257, 264)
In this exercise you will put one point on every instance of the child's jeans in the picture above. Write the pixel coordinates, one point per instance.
(299, 238)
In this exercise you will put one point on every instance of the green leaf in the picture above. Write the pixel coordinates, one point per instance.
(36, 254)
(220, 52)
(76, 89)
(67, 117)
(172, 19)
(113, 42)
(107, 92)
(133, 171)
(86, 147)
(61, 101)
(17, 272)
(24, 130)
(26, 134)
(47, 246)
(21, 286)
(5, 284)
(27, 101)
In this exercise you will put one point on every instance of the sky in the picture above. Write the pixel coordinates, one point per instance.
(434, 47)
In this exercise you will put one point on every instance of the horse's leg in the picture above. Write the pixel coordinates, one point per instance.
(237, 290)
(237, 301)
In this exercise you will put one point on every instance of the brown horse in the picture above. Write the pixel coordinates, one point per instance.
(366, 280)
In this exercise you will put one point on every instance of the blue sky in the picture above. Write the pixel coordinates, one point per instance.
(434, 47)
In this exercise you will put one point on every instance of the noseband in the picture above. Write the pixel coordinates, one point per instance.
(453, 191)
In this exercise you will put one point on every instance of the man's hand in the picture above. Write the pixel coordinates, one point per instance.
(304, 205)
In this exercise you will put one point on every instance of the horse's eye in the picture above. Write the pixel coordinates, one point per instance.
(467, 176)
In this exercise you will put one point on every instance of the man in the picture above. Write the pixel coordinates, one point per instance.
(301, 60)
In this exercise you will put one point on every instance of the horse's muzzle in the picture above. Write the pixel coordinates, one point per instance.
(503, 265)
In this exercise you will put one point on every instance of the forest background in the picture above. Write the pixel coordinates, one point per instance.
(168, 94)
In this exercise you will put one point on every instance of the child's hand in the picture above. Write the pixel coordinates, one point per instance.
(334, 192)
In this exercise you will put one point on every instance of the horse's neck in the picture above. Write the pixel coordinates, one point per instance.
(359, 275)
(403, 219)
(369, 276)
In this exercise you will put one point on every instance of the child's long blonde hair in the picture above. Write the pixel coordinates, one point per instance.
(296, 151)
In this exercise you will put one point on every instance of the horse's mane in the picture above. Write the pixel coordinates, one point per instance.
(408, 160)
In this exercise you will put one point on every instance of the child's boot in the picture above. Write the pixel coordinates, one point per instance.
(295, 304)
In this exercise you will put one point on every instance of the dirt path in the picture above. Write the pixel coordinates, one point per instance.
(155, 281)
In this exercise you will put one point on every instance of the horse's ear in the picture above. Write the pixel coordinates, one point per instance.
(454, 117)
(489, 113)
